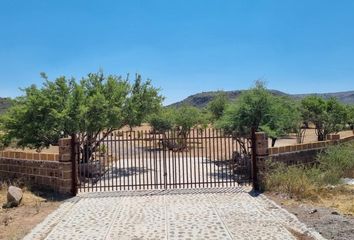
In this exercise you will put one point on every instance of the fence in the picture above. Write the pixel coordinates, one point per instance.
(304, 153)
(299, 154)
(53, 171)
(144, 160)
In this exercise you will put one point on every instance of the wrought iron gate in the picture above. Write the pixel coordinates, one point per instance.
(129, 160)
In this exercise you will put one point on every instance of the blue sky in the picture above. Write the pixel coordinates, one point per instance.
(184, 46)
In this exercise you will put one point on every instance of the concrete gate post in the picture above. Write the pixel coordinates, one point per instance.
(68, 166)
(259, 154)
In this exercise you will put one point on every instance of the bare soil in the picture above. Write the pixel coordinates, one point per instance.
(310, 136)
(331, 215)
(15, 223)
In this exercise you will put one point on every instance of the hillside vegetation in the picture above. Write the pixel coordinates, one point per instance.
(4, 104)
(201, 100)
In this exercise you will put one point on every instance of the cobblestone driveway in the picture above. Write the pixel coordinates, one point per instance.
(224, 213)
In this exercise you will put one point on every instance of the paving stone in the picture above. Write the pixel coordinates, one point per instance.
(218, 213)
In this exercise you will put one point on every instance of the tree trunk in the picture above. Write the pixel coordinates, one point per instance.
(273, 141)
(183, 135)
(320, 136)
(87, 151)
(300, 136)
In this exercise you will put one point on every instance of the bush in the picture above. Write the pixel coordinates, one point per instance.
(336, 162)
(302, 181)
(295, 181)
(161, 122)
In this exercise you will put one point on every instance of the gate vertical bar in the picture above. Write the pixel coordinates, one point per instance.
(135, 165)
(194, 157)
(131, 163)
(191, 159)
(164, 166)
(74, 187)
(254, 160)
(111, 161)
(202, 154)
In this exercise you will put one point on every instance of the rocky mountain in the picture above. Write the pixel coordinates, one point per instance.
(4, 104)
(200, 100)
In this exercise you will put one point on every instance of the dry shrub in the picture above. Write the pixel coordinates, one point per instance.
(350, 208)
(295, 181)
(337, 162)
(301, 181)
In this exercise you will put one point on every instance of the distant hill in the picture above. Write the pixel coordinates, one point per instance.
(200, 100)
(4, 104)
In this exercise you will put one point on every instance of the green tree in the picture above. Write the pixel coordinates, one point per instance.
(143, 100)
(283, 118)
(162, 121)
(187, 117)
(328, 116)
(90, 110)
(218, 105)
(350, 112)
(250, 110)
(257, 109)
(181, 120)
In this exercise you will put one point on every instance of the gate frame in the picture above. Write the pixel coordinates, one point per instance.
(74, 164)
(75, 150)
(254, 168)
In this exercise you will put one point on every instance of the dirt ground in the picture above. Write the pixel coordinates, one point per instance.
(15, 223)
(332, 214)
(310, 136)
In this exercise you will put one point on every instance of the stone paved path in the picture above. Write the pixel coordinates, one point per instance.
(224, 213)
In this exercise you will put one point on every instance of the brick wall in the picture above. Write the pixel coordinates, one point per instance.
(53, 171)
(303, 153)
(297, 157)
(290, 155)
(29, 155)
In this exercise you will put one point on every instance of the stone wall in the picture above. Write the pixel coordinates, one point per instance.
(292, 154)
(52, 171)
(303, 153)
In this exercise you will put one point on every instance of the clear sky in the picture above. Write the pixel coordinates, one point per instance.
(184, 46)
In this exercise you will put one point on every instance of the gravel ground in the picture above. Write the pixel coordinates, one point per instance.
(327, 221)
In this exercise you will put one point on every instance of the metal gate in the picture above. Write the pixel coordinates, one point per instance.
(130, 160)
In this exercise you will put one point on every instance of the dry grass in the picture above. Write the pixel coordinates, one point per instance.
(320, 184)
(340, 198)
(15, 223)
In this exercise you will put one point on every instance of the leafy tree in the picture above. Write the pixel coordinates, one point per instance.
(186, 117)
(90, 110)
(350, 112)
(328, 116)
(251, 110)
(257, 109)
(140, 102)
(181, 119)
(218, 105)
(283, 118)
(162, 121)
